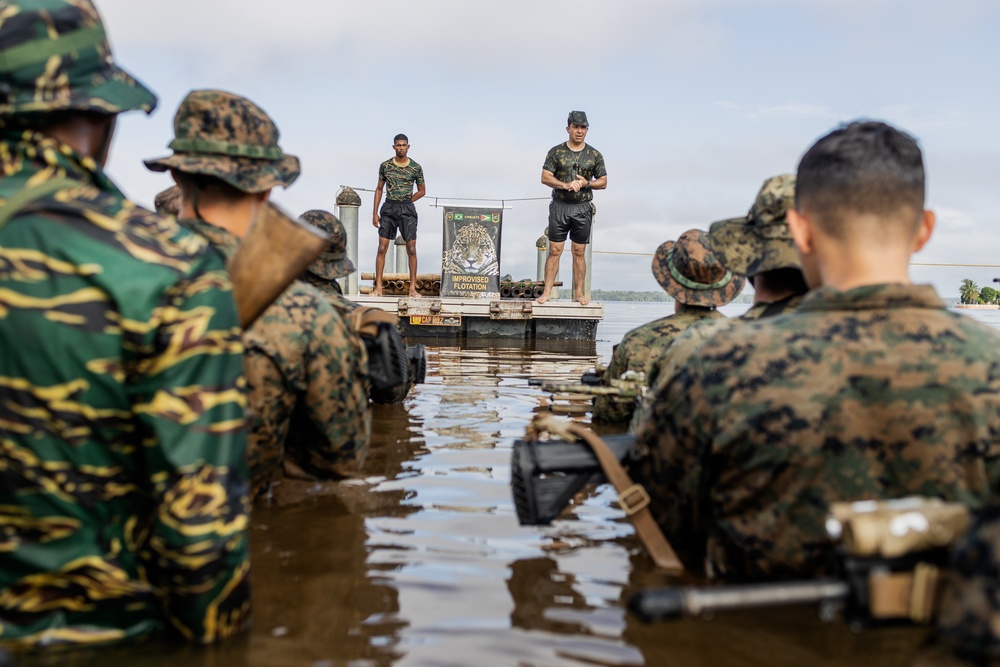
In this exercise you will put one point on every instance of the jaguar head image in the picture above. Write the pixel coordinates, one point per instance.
(472, 253)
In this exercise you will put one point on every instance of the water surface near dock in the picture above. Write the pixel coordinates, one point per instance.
(423, 562)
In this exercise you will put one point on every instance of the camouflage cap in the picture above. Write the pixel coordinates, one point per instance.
(760, 241)
(333, 263)
(577, 118)
(691, 273)
(220, 134)
(55, 56)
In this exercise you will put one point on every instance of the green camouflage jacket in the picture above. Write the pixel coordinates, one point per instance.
(308, 387)
(566, 165)
(123, 484)
(686, 345)
(639, 348)
(875, 392)
(399, 180)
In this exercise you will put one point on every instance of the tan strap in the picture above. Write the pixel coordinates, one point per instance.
(365, 320)
(632, 497)
(909, 595)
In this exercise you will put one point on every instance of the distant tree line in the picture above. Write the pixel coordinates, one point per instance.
(971, 293)
(630, 295)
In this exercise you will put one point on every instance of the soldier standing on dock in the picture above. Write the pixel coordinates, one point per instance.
(398, 176)
(573, 170)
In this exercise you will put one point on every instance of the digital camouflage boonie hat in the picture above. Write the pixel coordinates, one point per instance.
(691, 273)
(55, 56)
(760, 241)
(333, 263)
(220, 134)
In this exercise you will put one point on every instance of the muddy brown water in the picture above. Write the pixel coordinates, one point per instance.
(423, 561)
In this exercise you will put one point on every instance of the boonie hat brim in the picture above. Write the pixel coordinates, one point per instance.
(751, 249)
(688, 292)
(246, 174)
(331, 269)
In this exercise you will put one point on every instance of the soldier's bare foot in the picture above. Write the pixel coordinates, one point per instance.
(582, 300)
(414, 294)
(376, 292)
(543, 298)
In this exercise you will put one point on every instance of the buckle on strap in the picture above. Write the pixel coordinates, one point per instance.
(627, 504)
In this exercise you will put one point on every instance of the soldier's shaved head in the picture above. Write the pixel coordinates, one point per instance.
(862, 169)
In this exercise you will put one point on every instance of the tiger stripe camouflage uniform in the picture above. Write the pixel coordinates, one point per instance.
(874, 392)
(123, 491)
(689, 272)
(399, 181)
(307, 375)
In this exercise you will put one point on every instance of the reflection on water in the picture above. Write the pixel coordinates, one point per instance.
(422, 562)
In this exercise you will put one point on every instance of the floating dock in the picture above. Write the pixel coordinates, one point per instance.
(460, 318)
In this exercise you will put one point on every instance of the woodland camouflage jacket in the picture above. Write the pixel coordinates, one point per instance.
(874, 392)
(123, 489)
(307, 382)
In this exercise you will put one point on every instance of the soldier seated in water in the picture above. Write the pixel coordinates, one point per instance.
(690, 272)
(305, 369)
(869, 389)
(123, 479)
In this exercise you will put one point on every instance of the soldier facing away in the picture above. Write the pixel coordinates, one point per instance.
(690, 272)
(869, 389)
(305, 370)
(121, 400)
(758, 246)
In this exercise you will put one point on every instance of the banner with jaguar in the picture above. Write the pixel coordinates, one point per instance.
(470, 263)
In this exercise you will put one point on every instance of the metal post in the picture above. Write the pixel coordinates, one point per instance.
(402, 259)
(542, 246)
(348, 206)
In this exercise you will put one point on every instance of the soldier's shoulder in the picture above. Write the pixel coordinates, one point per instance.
(131, 231)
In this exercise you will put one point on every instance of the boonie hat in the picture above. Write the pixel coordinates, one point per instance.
(761, 240)
(333, 263)
(691, 273)
(55, 56)
(220, 134)
(577, 118)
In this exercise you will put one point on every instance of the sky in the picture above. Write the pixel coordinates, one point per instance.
(693, 103)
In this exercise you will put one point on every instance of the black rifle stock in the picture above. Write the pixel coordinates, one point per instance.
(546, 475)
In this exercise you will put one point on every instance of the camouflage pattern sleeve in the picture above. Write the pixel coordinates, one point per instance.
(599, 169)
(968, 623)
(677, 476)
(190, 401)
(418, 176)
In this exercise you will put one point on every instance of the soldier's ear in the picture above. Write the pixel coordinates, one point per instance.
(924, 231)
(802, 232)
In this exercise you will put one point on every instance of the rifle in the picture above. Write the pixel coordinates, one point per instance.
(275, 251)
(890, 554)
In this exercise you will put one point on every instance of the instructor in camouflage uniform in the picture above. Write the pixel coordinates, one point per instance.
(573, 169)
(121, 401)
(869, 389)
(302, 361)
(690, 272)
(397, 176)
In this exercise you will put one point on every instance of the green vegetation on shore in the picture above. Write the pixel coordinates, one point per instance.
(629, 295)
(970, 293)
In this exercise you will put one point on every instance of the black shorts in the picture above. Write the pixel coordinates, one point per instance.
(573, 220)
(398, 215)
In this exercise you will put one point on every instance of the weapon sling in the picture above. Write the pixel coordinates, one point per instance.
(632, 497)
